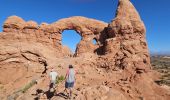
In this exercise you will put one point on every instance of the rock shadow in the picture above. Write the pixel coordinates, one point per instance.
(61, 94)
(49, 94)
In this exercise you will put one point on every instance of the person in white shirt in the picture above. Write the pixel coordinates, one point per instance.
(53, 77)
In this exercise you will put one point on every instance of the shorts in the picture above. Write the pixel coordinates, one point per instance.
(69, 85)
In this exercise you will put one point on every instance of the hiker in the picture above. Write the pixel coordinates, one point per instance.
(53, 76)
(70, 80)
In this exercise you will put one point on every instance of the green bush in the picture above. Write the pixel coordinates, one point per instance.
(29, 85)
(16, 94)
(60, 79)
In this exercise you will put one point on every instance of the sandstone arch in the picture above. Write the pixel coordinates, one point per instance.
(123, 42)
(87, 28)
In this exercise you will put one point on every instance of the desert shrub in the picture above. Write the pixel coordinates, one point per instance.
(162, 65)
(59, 66)
(60, 79)
(16, 94)
(29, 85)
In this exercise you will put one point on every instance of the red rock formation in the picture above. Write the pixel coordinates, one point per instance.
(120, 59)
(126, 39)
(88, 29)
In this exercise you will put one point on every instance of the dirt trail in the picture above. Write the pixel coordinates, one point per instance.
(62, 65)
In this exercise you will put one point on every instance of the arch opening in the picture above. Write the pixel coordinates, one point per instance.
(70, 39)
(94, 41)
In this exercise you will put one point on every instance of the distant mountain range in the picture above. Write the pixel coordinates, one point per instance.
(161, 53)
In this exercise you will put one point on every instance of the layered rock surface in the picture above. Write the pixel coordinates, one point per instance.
(119, 63)
(126, 40)
(51, 34)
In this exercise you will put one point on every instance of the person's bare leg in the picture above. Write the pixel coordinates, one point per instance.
(66, 90)
(70, 93)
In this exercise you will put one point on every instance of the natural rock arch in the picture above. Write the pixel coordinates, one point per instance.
(126, 56)
(87, 28)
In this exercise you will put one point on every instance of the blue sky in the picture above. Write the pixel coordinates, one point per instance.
(154, 13)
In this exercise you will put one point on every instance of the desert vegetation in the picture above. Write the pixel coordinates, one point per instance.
(162, 65)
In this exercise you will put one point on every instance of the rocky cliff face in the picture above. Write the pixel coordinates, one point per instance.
(120, 58)
(126, 40)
